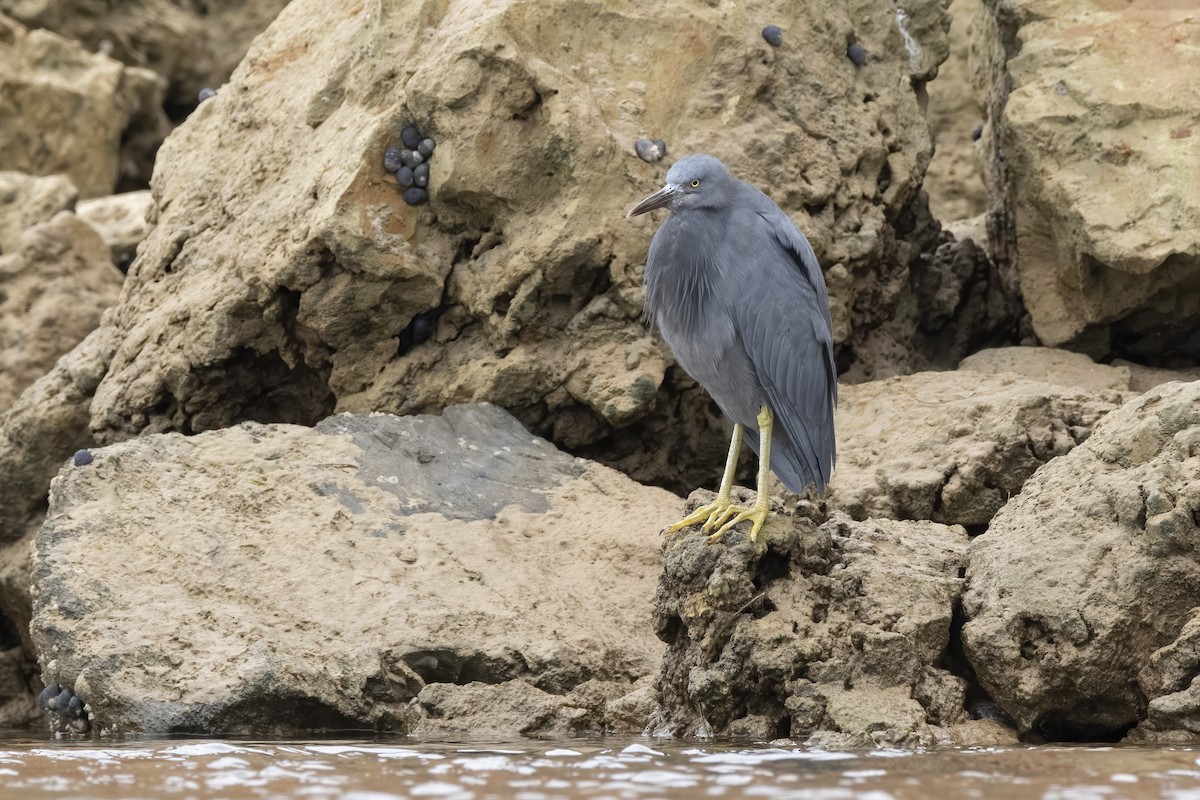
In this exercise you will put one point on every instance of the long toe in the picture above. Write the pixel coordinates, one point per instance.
(756, 515)
(704, 514)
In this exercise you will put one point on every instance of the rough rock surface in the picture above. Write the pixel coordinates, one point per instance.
(952, 447)
(1093, 123)
(194, 45)
(120, 219)
(282, 578)
(1053, 366)
(47, 423)
(53, 289)
(26, 200)
(1169, 683)
(18, 708)
(1089, 571)
(106, 117)
(283, 267)
(954, 183)
(834, 634)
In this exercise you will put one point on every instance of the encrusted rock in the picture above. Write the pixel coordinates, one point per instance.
(825, 634)
(952, 446)
(375, 572)
(1089, 571)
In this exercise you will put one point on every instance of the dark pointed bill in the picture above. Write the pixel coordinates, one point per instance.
(660, 199)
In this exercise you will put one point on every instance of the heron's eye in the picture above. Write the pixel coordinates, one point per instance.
(695, 182)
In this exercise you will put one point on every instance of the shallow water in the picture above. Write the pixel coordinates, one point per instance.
(384, 769)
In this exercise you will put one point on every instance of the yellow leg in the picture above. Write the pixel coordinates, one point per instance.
(731, 515)
(708, 514)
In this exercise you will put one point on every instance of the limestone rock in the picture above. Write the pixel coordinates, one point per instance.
(1089, 571)
(26, 200)
(1093, 129)
(1168, 681)
(1143, 378)
(824, 634)
(120, 219)
(107, 118)
(55, 286)
(276, 577)
(193, 45)
(954, 183)
(1058, 367)
(951, 447)
(47, 423)
(283, 268)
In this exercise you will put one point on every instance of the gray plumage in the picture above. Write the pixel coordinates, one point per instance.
(737, 293)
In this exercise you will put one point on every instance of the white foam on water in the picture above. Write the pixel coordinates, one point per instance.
(438, 789)
(640, 749)
(212, 749)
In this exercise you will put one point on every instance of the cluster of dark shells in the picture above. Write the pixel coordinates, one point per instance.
(410, 164)
(67, 706)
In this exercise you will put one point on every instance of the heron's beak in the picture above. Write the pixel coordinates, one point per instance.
(660, 199)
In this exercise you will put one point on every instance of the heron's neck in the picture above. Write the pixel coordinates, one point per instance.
(681, 280)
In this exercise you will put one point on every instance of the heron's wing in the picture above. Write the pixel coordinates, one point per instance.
(787, 333)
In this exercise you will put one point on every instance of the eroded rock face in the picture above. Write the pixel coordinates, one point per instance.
(366, 573)
(107, 118)
(1095, 184)
(283, 270)
(53, 289)
(954, 183)
(952, 447)
(833, 633)
(193, 45)
(1089, 571)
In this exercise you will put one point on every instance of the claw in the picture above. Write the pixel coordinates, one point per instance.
(707, 514)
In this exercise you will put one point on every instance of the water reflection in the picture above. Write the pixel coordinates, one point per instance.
(536, 770)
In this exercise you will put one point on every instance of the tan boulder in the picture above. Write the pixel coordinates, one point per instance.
(1057, 367)
(1093, 129)
(107, 118)
(193, 45)
(281, 578)
(56, 284)
(1085, 577)
(26, 200)
(952, 447)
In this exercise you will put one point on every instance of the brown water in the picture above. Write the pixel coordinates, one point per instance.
(539, 770)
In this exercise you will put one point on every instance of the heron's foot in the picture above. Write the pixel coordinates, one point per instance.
(708, 514)
(732, 515)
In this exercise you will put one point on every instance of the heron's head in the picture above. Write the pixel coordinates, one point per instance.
(697, 181)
